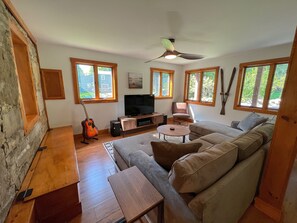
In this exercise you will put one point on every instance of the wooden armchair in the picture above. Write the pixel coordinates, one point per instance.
(180, 112)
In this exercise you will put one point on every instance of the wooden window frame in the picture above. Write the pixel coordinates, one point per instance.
(199, 89)
(26, 85)
(95, 64)
(171, 76)
(242, 68)
(60, 83)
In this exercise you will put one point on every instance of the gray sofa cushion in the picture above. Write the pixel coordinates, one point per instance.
(247, 144)
(194, 172)
(216, 138)
(131, 144)
(207, 127)
(251, 121)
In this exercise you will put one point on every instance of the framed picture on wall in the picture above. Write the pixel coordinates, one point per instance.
(135, 80)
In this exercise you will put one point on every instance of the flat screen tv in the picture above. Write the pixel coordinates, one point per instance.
(139, 104)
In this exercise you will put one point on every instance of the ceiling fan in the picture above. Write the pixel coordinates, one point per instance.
(171, 53)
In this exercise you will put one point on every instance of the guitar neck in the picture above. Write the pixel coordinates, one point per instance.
(87, 116)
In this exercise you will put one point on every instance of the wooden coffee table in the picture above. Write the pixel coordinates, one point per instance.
(135, 194)
(174, 130)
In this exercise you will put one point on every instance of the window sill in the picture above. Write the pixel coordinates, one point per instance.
(30, 123)
(169, 97)
(92, 101)
(211, 104)
(257, 110)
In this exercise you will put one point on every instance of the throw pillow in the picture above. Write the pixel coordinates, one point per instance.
(195, 172)
(251, 121)
(165, 153)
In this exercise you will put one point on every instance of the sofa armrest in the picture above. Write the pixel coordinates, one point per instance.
(176, 210)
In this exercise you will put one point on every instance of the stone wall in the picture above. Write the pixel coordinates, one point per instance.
(17, 149)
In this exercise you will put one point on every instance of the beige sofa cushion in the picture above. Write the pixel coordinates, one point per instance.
(165, 153)
(266, 130)
(248, 144)
(193, 173)
(205, 145)
(216, 138)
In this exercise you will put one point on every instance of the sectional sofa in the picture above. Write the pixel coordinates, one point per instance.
(221, 185)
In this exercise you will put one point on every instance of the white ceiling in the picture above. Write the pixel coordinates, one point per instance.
(133, 28)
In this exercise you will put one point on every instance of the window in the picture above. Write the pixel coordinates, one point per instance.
(260, 85)
(201, 85)
(161, 83)
(28, 102)
(94, 81)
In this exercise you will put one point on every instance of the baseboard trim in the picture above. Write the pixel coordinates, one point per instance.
(268, 210)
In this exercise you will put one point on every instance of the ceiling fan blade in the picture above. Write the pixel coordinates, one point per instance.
(167, 44)
(189, 56)
(156, 58)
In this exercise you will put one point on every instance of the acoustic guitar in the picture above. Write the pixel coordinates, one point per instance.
(88, 125)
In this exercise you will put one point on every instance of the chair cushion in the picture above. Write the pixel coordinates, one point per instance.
(180, 115)
(193, 173)
(248, 144)
(179, 107)
(251, 121)
(165, 153)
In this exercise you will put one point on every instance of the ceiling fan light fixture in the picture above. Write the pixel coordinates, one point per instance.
(170, 56)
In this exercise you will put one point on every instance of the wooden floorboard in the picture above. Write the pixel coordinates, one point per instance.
(99, 204)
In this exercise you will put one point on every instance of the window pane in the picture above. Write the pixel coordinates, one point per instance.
(277, 86)
(165, 84)
(254, 87)
(156, 83)
(86, 81)
(193, 86)
(105, 82)
(208, 86)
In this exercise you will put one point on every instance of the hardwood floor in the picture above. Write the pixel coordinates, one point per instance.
(98, 201)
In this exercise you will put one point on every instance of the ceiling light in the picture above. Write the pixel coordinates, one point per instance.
(170, 56)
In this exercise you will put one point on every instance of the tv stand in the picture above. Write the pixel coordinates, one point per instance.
(140, 122)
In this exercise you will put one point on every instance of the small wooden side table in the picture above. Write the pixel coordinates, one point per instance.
(135, 194)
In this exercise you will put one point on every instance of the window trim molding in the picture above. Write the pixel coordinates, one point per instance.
(75, 61)
(186, 82)
(29, 120)
(171, 73)
(240, 79)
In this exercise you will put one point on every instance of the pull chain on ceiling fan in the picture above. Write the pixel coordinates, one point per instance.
(171, 53)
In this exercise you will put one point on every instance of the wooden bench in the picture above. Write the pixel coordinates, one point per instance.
(54, 177)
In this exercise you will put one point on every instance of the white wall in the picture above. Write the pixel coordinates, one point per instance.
(66, 112)
(227, 62)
